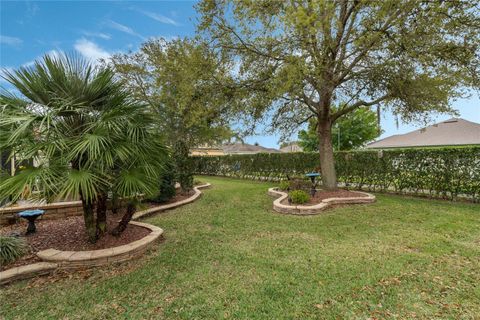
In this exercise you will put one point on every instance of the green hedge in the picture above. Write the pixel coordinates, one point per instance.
(444, 172)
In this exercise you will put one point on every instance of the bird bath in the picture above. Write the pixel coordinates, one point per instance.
(31, 216)
(312, 176)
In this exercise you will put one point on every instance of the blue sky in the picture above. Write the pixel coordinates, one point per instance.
(97, 29)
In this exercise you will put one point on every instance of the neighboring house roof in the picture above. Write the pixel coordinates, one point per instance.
(206, 151)
(452, 132)
(292, 147)
(245, 148)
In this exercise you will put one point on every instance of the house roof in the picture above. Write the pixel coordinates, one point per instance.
(452, 132)
(246, 148)
(292, 147)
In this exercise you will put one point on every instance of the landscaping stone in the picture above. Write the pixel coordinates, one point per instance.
(278, 206)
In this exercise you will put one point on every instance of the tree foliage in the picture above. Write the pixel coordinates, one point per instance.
(351, 131)
(298, 58)
(181, 80)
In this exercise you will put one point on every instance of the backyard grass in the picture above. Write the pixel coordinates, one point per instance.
(228, 255)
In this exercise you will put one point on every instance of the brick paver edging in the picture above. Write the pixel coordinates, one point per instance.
(54, 259)
(317, 208)
(197, 193)
(26, 272)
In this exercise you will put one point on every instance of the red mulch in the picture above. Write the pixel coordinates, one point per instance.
(69, 235)
(324, 194)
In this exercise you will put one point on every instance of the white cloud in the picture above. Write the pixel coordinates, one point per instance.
(160, 18)
(123, 28)
(104, 36)
(91, 50)
(11, 41)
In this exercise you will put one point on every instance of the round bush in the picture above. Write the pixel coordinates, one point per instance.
(299, 196)
(11, 248)
(284, 185)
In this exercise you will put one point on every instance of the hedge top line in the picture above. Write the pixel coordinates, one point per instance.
(463, 148)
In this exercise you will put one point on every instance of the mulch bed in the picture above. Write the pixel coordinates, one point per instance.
(178, 197)
(324, 194)
(69, 235)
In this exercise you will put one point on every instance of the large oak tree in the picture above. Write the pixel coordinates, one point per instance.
(299, 58)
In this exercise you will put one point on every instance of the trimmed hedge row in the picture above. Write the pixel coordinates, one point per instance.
(441, 172)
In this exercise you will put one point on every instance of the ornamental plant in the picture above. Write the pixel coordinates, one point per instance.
(299, 196)
(11, 248)
(284, 185)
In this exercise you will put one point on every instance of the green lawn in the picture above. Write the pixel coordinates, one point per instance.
(228, 255)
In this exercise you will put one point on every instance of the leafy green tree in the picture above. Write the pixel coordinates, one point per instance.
(181, 81)
(298, 58)
(183, 165)
(184, 83)
(351, 131)
(86, 135)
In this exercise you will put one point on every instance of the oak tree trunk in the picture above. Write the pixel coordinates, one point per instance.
(122, 225)
(327, 162)
(101, 214)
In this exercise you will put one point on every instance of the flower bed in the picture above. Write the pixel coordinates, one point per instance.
(280, 205)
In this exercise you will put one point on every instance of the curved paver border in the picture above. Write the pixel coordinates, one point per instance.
(197, 193)
(93, 258)
(278, 206)
(53, 259)
(26, 272)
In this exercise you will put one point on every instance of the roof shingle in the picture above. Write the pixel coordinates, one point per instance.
(452, 132)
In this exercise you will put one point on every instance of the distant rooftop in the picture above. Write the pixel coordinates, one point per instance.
(292, 147)
(452, 132)
(245, 148)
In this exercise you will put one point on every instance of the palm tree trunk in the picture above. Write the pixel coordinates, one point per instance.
(122, 225)
(101, 214)
(89, 219)
(115, 204)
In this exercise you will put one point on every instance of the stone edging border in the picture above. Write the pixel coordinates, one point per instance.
(317, 208)
(197, 193)
(53, 259)
(27, 271)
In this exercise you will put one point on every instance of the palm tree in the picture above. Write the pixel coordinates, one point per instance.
(88, 138)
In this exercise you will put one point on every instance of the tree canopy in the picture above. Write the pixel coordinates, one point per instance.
(298, 58)
(183, 81)
(351, 131)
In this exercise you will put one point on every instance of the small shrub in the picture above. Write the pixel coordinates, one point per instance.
(167, 184)
(284, 185)
(300, 184)
(183, 166)
(299, 196)
(11, 248)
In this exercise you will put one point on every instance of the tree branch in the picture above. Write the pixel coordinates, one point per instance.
(358, 104)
